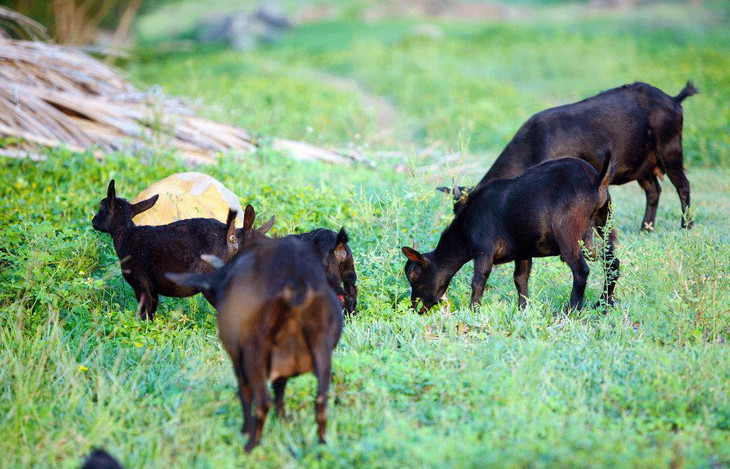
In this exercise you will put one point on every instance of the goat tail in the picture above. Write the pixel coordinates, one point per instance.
(342, 237)
(604, 178)
(688, 90)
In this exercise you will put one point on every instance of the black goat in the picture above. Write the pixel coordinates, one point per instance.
(546, 211)
(639, 124)
(147, 252)
(339, 266)
(277, 318)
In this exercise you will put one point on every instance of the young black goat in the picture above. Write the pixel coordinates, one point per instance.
(339, 266)
(277, 318)
(147, 252)
(639, 124)
(546, 211)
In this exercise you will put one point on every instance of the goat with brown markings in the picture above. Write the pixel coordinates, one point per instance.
(639, 124)
(147, 252)
(546, 211)
(277, 318)
(334, 252)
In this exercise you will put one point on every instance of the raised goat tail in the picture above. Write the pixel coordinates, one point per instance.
(688, 90)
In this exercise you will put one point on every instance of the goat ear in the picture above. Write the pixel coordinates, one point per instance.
(456, 192)
(444, 189)
(263, 229)
(111, 193)
(140, 207)
(415, 256)
(249, 216)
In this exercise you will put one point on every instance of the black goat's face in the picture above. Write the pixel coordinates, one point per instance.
(116, 211)
(423, 275)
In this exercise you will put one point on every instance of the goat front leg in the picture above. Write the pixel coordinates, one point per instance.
(521, 277)
(580, 271)
(146, 302)
(349, 280)
(612, 270)
(482, 269)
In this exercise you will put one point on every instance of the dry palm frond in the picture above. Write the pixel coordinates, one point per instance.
(52, 95)
(21, 27)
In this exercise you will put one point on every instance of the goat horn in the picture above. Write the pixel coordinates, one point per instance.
(214, 261)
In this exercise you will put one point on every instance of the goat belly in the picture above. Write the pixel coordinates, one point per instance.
(289, 355)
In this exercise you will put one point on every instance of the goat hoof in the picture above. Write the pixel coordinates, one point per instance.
(250, 446)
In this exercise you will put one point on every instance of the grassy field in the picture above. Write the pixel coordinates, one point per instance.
(646, 385)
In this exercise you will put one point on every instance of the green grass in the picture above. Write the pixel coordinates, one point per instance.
(646, 385)
(484, 78)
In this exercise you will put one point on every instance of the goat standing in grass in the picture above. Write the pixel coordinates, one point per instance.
(277, 318)
(334, 252)
(147, 252)
(546, 211)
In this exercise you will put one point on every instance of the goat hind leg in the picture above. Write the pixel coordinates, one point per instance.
(321, 351)
(653, 190)
(680, 181)
(244, 394)
(279, 388)
(260, 398)
(674, 165)
(324, 375)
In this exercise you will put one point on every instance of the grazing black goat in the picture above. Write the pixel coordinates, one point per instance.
(546, 211)
(339, 266)
(639, 124)
(277, 318)
(147, 252)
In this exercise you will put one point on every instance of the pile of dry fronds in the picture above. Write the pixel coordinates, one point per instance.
(52, 95)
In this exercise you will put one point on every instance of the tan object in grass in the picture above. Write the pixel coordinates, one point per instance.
(188, 195)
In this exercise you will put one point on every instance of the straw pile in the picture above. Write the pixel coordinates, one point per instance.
(51, 95)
